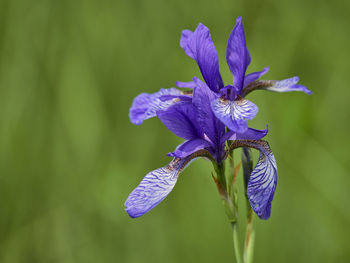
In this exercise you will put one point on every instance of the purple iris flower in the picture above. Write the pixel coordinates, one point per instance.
(231, 107)
(191, 118)
(199, 116)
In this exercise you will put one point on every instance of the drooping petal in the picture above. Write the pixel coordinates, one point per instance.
(249, 134)
(202, 98)
(181, 120)
(234, 113)
(254, 76)
(285, 85)
(189, 147)
(199, 46)
(188, 84)
(154, 187)
(237, 54)
(147, 105)
(263, 179)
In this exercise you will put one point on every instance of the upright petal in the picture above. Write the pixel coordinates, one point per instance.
(285, 85)
(202, 98)
(263, 179)
(234, 113)
(181, 120)
(199, 46)
(187, 148)
(237, 54)
(254, 76)
(147, 105)
(154, 187)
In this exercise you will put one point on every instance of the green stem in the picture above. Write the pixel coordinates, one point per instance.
(236, 242)
(249, 238)
(250, 232)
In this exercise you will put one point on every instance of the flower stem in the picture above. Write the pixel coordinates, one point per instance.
(249, 238)
(236, 242)
(250, 231)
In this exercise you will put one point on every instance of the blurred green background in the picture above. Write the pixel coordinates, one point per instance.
(69, 156)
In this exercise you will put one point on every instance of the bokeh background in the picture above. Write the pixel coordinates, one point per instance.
(69, 156)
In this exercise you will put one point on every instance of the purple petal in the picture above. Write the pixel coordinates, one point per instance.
(154, 187)
(262, 183)
(254, 76)
(285, 85)
(288, 85)
(189, 147)
(188, 85)
(202, 98)
(234, 113)
(263, 179)
(147, 105)
(237, 54)
(181, 120)
(199, 46)
(249, 134)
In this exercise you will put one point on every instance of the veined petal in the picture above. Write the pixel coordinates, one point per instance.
(263, 179)
(254, 76)
(237, 54)
(154, 187)
(249, 134)
(181, 120)
(189, 147)
(285, 85)
(202, 98)
(199, 46)
(234, 113)
(188, 84)
(147, 105)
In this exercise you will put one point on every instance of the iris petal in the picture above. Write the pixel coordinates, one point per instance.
(262, 183)
(181, 120)
(188, 84)
(284, 85)
(154, 187)
(237, 54)
(199, 46)
(147, 105)
(234, 113)
(202, 98)
(249, 134)
(263, 179)
(254, 76)
(187, 148)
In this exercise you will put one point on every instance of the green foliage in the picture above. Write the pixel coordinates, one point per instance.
(69, 156)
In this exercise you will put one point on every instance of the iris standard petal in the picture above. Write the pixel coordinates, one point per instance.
(199, 46)
(249, 134)
(285, 85)
(234, 113)
(147, 105)
(263, 179)
(154, 187)
(187, 148)
(181, 120)
(237, 54)
(202, 98)
(254, 76)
